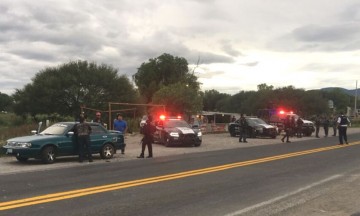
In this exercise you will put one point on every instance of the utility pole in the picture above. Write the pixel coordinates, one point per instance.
(355, 107)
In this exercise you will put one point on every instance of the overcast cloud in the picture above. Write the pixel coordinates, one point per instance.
(239, 44)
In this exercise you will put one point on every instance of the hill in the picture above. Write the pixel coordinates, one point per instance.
(346, 91)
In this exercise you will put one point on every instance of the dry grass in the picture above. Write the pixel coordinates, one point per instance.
(10, 132)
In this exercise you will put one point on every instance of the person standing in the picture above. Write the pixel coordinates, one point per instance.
(120, 125)
(287, 128)
(243, 126)
(317, 126)
(299, 125)
(148, 131)
(98, 118)
(334, 125)
(326, 124)
(342, 124)
(83, 131)
(293, 126)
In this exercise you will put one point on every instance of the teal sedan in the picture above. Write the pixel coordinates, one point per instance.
(59, 140)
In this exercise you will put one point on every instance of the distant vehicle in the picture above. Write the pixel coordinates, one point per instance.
(256, 128)
(174, 131)
(59, 140)
(276, 117)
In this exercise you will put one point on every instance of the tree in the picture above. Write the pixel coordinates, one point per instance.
(162, 71)
(179, 98)
(212, 98)
(5, 102)
(65, 88)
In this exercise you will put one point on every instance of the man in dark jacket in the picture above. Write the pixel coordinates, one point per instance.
(83, 131)
(287, 128)
(243, 128)
(148, 131)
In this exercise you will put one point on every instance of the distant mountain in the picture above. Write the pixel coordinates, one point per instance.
(346, 91)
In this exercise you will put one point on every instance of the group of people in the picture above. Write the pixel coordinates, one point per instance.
(326, 123)
(338, 123)
(83, 131)
(294, 126)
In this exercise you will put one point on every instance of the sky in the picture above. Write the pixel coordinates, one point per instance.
(231, 45)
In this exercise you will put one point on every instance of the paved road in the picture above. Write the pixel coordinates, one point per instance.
(211, 142)
(324, 183)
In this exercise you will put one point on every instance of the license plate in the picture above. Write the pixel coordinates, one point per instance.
(9, 151)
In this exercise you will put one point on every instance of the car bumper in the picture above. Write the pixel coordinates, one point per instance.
(24, 152)
(184, 141)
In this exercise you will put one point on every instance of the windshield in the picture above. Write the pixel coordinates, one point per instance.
(56, 129)
(176, 123)
(256, 121)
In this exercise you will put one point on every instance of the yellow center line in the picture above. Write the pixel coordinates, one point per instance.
(121, 185)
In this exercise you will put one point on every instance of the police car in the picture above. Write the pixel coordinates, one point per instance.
(174, 131)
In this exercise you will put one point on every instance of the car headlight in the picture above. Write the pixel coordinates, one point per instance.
(199, 134)
(20, 144)
(174, 134)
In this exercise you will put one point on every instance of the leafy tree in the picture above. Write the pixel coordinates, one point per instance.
(179, 98)
(162, 71)
(65, 88)
(5, 102)
(212, 98)
(339, 97)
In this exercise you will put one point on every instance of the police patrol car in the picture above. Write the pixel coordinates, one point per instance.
(174, 131)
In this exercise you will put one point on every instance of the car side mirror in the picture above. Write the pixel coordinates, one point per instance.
(70, 133)
(195, 126)
(33, 132)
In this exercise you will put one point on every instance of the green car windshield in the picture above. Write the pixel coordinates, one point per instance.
(56, 129)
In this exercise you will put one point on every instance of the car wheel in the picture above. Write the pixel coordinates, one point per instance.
(232, 134)
(48, 155)
(107, 151)
(308, 134)
(197, 144)
(167, 142)
(21, 158)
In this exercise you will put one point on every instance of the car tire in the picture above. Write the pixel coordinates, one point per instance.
(107, 151)
(48, 155)
(167, 142)
(232, 134)
(21, 158)
(197, 144)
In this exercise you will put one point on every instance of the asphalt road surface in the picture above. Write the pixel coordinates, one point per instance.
(222, 177)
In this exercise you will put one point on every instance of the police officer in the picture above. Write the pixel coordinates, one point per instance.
(326, 124)
(243, 127)
(317, 126)
(148, 131)
(342, 124)
(299, 125)
(334, 125)
(287, 128)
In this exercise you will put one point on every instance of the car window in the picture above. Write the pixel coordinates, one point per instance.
(56, 129)
(259, 121)
(97, 129)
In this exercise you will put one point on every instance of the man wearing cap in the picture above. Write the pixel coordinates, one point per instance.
(342, 124)
(148, 131)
